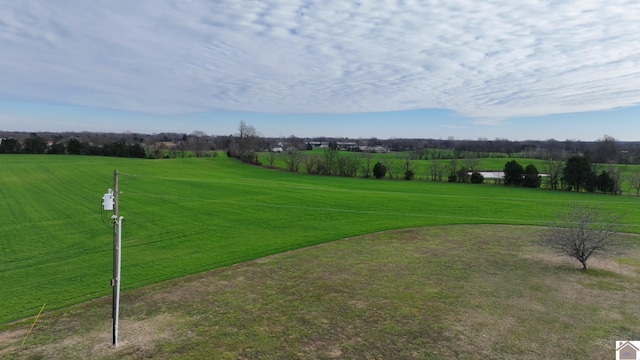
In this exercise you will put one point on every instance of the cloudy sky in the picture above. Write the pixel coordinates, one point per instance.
(408, 68)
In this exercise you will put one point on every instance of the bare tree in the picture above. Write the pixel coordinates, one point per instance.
(367, 158)
(615, 173)
(437, 170)
(391, 166)
(633, 154)
(472, 162)
(294, 142)
(198, 140)
(606, 150)
(329, 163)
(409, 163)
(292, 158)
(417, 154)
(153, 149)
(453, 165)
(432, 169)
(634, 182)
(272, 157)
(341, 166)
(246, 143)
(553, 170)
(462, 175)
(348, 165)
(183, 145)
(312, 163)
(584, 230)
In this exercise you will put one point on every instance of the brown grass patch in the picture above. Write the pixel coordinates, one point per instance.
(454, 291)
(138, 339)
(10, 339)
(607, 263)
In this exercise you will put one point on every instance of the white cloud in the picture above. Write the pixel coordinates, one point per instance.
(485, 59)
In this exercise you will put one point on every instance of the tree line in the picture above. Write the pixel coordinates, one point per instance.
(453, 160)
(577, 173)
(35, 144)
(248, 141)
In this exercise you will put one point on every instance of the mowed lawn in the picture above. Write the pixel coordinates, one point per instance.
(185, 216)
(438, 292)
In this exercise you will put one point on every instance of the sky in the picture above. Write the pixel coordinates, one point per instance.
(467, 69)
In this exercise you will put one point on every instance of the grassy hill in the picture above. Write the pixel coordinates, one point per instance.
(185, 216)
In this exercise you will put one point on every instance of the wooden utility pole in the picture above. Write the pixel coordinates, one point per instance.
(117, 243)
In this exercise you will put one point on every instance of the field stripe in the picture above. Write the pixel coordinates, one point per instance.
(489, 220)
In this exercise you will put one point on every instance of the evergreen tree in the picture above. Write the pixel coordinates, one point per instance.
(577, 173)
(532, 178)
(379, 170)
(513, 173)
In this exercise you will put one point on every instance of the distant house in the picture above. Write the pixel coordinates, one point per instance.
(166, 145)
(627, 351)
(346, 145)
(375, 149)
(319, 144)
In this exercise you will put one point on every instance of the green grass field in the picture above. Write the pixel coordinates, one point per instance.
(185, 216)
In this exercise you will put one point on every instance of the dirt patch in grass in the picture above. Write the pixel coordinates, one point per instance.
(139, 339)
(450, 291)
(9, 339)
